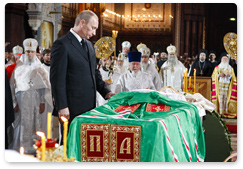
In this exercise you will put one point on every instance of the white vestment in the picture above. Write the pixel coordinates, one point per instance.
(106, 76)
(172, 75)
(155, 75)
(224, 83)
(120, 69)
(129, 81)
(49, 108)
(29, 86)
(47, 68)
(126, 62)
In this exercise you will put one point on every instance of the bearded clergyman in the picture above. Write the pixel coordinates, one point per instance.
(30, 88)
(120, 66)
(224, 85)
(171, 71)
(148, 66)
(134, 78)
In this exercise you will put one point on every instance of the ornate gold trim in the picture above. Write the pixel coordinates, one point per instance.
(85, 127)
(136, 130)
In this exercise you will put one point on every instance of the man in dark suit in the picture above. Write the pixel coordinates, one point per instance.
(74, 75)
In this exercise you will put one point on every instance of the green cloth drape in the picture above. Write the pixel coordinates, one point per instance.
(167, 136)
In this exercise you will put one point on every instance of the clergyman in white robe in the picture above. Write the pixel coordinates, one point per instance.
(134, 78)
(30, 89)
(171, 71)
(110, 79)
(149, 67)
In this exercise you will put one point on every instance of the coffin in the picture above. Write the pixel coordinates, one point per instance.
(138, 127)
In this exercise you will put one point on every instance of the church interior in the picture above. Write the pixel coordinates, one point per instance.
(189, 27)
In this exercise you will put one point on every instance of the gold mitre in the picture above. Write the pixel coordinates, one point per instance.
(171, 49)
(141, 45)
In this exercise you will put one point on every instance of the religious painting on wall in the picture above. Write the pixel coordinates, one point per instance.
(46, 34)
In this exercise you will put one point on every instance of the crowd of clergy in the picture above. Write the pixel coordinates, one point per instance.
(28, 74)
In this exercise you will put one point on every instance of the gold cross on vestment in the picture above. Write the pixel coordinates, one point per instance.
(172, 69)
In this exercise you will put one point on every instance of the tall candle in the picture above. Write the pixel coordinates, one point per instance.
(49, 125)
(65, 125)
(195, 80)
(190, 81)
(43, 145)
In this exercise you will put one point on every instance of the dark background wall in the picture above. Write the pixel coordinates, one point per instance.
(218, 24)
(193, 15)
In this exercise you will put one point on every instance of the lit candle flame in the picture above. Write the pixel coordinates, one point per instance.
(21, 150)
(39, 133)
(64, 119)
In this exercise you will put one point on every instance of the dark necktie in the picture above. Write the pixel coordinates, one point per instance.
(84, 45)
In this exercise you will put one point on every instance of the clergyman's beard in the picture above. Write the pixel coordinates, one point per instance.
(171, 60)
(119, 65)
(144, 65)
(135, 73)
(30, 60)
(223, 65)
(201, 60)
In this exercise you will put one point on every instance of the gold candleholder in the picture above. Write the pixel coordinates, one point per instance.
(114, 35)
(53, 151)
(49, 150)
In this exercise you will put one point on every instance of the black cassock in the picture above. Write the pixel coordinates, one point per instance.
(203, 68)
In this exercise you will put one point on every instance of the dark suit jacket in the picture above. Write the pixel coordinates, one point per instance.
(74, 76)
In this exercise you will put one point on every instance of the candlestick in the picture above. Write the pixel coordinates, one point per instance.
(65, 125)
(43, 145)
(49, 125)
(114, 35)
(195, 80)
(190, 81)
